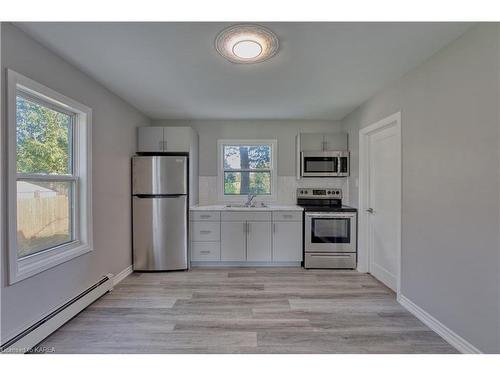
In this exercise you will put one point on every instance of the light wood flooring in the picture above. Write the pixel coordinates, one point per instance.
(247, 310)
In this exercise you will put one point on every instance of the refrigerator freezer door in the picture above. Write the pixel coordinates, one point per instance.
(160, 233)
(157, 175)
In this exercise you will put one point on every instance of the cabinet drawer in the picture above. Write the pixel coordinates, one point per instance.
(245, 216)
(205, 231)
(322, 260)
(287, 215)
(205, 215)
(209, 251)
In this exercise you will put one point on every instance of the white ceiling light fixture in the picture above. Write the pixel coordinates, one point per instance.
(247, 44)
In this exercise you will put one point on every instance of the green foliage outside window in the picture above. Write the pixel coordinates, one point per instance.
(247, 169)
(42, 139)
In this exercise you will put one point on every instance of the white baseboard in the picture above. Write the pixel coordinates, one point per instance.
(455, 340)
(55, 320)
(123, 274)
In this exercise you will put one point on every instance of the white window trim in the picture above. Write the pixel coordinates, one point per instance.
(20, 269)
(220, 169)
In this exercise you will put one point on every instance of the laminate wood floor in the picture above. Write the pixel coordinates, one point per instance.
(247, 310)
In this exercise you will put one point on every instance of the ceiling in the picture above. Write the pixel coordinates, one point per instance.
(172, 70)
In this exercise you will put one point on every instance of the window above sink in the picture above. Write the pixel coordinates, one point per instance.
(246, 167)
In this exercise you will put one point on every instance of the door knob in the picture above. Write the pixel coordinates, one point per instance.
(370, 210)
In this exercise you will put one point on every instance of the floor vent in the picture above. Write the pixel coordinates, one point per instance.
(30, 337)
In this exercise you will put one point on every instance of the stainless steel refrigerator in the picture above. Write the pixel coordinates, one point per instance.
(159, 212)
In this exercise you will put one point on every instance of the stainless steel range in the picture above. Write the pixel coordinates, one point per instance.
(330, 229)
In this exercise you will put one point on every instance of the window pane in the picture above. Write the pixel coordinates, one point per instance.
(243, 183)
(43, 139)
(247, 157)
(44, 215)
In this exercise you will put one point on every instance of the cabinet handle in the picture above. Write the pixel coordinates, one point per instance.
(205, 216)
(245, 227)
(205, 252)
(205, 231)
(287, 216)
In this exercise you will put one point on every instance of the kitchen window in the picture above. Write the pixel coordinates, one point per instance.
(49, 178)
(247, 167)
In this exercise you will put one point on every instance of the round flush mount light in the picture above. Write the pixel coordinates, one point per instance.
(246, 44)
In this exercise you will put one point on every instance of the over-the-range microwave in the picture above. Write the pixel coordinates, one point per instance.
(324, 163)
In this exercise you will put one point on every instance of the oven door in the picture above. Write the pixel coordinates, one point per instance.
(330, 232)
(319, 165)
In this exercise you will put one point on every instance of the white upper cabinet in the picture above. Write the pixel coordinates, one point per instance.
(323, 141)
(165, 139)
(336, 141)
(150, 139)
(177, 139)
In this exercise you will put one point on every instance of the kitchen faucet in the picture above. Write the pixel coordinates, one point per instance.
(250, 198)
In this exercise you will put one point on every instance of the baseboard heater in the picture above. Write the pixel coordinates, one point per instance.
(30, 337)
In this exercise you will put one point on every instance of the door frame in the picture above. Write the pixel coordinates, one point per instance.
(364, 256)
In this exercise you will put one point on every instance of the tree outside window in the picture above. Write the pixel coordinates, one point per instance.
(247, 169)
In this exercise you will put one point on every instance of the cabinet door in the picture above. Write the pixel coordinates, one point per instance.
(311, 142)
(233, 236)
(259, 240)
(336, 141)
(150, 139)
(287, 241)
(177, 139)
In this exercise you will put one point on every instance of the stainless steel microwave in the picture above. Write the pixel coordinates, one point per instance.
(324, 164)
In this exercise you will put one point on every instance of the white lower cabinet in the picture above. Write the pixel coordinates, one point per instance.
(205, 251)
(259, 241)
(287, 241)
(247, 236)
(233, 241)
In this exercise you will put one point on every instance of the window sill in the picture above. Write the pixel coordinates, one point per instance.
(37, 263)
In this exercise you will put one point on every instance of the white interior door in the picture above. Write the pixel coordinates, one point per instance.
(383, 202)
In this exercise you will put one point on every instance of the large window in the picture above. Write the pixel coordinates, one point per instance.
(49, 161)
(45, 179)
(247, 167)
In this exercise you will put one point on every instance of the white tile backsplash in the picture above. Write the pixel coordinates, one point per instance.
(287, 188)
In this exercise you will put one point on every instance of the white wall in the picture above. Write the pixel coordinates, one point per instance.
(284, 131)
(113, 142)
(450, 218)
